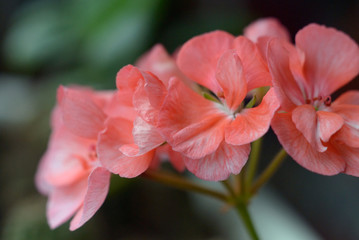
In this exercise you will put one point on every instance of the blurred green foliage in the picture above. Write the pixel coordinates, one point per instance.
(80, 38)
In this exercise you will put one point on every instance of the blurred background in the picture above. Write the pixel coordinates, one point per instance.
(44, 43)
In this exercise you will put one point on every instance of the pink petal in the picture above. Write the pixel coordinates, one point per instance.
(351, 156)
(349, 97)
(65, 160)
(146, 138)
(165, 153)
(270, 27)
(304, 118)
(255, 69)
(81, 114)
(304, 153)
(121, 105)
(200, 139)
(190, 123)
(349, 134)
(230, 78)
(64, 202)
(159, 62)
(251, 124)
(331, 58)
(98, 185)
(328, 124)
(285, 86)
(127, 78)
(177, 160)
(118, 133)
(148, 97)
(218, 165)
(198, 57)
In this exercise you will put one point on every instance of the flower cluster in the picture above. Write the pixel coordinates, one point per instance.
(201, 109)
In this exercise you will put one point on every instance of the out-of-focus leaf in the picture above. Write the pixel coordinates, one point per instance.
(72, 33)
(37, 36)
(121, 34)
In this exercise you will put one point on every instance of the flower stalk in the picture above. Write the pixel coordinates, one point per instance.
(182, 183)
(269, 171)
(243, 212)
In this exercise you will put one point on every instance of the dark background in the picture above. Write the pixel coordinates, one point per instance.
(47, 43)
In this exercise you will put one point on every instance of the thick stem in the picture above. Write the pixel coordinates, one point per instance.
(244, 214)
(269, 171)
(182, 183)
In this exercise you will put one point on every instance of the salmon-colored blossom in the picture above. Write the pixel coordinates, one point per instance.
(69, 172)
(130, 145)
(214, 130)
(319, 134)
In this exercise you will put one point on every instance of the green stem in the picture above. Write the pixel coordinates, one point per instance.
(253, 163)
(269, 171)
(244, 214)
(182, 183)
(229, 188)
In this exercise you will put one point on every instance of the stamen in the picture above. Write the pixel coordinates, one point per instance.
(317, 101)
(220, 94)
(328, 101)
(92, 155)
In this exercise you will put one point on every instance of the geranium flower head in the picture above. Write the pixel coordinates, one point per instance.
(69, 172)
(304, 77)
(213, 129)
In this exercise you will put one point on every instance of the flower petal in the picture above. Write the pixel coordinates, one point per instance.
(127, 78)
(285, 86)
(146, 138)
(351, 156)
(98, 185)
(81, 114)
(148, 97)
(349, 97)
(118, 133)
(64, 202)
(304, 153)
(270, 27)
(165, 153)
(218, 165)
(305, 120)
(255, 69)
(200, 139)
(65, 160)
(331, 58)
(349, 134)
(251, 124)
(121, 105)
(190, 123)
(198, 57)
(159, 62)
(230, 77)
(328, 124)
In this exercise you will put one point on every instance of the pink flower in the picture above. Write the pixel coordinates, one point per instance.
(320, 135)
(214, 130)
(69, 172)
(130, 145)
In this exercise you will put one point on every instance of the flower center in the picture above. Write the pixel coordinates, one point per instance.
(92, 155)
(320, 102)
